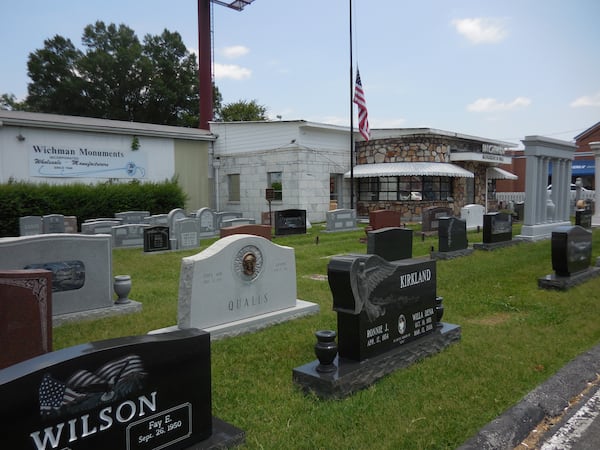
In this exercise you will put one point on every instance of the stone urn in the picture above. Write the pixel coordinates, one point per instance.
(439, 310)
(122, 287)
(326, 350)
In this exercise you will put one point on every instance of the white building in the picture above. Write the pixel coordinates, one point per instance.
(50, 148)
(303, 161)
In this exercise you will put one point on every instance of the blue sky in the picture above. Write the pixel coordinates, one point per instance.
(500, 69)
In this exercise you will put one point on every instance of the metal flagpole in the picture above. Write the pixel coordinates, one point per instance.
(351, 119)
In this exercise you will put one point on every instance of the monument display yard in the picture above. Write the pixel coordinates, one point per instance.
(452, 239)
(134, 393)
(571, 258)
(388, 317)
(497, 232)
(81, 266)
(239, 284)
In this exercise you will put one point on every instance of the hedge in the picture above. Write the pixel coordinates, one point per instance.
(19, 199)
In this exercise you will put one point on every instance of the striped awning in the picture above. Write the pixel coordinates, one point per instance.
(496, 173)
(402, 169)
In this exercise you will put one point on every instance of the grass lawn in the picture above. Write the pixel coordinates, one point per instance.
(514, 336)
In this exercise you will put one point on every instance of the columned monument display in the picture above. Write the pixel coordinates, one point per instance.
(595, 146)
(546, 209)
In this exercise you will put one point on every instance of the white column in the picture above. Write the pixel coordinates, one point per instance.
(595, 146)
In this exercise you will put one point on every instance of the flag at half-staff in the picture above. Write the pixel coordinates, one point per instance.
(363, 116)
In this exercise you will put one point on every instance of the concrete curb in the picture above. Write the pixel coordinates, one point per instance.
(549, 399)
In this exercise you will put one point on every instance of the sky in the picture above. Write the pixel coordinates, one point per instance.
(497, 69)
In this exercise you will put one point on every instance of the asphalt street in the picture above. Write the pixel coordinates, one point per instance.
(563, 413)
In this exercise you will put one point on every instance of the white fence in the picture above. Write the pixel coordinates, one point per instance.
(516, 197)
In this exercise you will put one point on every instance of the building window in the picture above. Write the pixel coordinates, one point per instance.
(274, 182)
(233, 184)
(413, 188)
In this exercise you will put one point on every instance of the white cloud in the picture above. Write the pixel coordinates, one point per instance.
(232, 71)
(586, 100)
(480, 30)
(234, 51)
(491, 104)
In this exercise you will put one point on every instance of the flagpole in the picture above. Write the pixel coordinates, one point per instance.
(351, 120)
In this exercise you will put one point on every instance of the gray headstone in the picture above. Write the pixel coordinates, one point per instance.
(207, 219)
(131, 235)
(157, 219)
(54, 223)
(187, 233)
(238, 277)
(99, 226)
(134, 217)
(174, 215)
(341, 220)
(31, 225)
(220, 217)
(237, 221)
(81, 266)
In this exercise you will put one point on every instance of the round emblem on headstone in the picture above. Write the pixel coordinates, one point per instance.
(248, 262)
(401, 324)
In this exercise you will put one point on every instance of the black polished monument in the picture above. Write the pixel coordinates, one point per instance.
(389, 316)
(135, 393)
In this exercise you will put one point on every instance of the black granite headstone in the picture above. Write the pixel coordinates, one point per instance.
(497, 227)
(571, 249)
(135, 393)
(381, 305)
(583, 218)
(452, 234)
(156, 239)
(290, 221)
(430, 217)
(390, 243)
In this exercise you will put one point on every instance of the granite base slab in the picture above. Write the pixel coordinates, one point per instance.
(99, 313)
(254, 323)
(495, 245)
(559, 283)
(452, 254)
(224, 436)
(352, 376)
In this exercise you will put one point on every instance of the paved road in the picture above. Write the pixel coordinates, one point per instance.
(579, 427)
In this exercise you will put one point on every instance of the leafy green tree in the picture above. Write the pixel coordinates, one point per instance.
(243, 110)
(56, 84)
(8, 102)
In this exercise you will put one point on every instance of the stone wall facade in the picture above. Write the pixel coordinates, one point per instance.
(423, 148)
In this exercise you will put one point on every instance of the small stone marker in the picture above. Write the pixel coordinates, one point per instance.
(497, 231)
(135, 393)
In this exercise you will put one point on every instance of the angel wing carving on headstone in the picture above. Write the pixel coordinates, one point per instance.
(367, 274)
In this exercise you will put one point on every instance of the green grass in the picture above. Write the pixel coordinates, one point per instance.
(514, 336)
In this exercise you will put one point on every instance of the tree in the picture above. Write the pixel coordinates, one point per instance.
(116, 77)
(56, 85)
(8, 102)
(243, 110)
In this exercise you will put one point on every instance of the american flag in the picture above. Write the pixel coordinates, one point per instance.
(54, 393)
(359, 99)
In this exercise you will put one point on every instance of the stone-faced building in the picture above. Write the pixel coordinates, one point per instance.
(414, 168)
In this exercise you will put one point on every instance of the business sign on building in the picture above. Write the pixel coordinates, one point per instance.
(69, 161)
